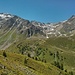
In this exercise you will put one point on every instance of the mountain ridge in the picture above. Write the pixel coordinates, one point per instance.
(35, 48)
(13, 28)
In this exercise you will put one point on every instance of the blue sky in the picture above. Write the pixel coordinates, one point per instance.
(39, 10)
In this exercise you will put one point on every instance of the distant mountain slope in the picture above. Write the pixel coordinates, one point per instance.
(69, 25)
(8, 22)
(13, 28)
(26, 50)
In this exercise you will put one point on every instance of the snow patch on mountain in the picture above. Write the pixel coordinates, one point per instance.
(3, 15)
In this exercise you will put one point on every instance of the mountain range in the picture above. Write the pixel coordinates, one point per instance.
(35, 48)
(64, 28)
(19, 26)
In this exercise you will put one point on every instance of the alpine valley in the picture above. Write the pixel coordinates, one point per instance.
(35, 48)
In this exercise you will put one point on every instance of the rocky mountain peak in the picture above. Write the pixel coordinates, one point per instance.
(5, 15)
(73, 16)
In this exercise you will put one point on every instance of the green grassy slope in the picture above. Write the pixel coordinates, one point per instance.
(17, 64)
(44, 51)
